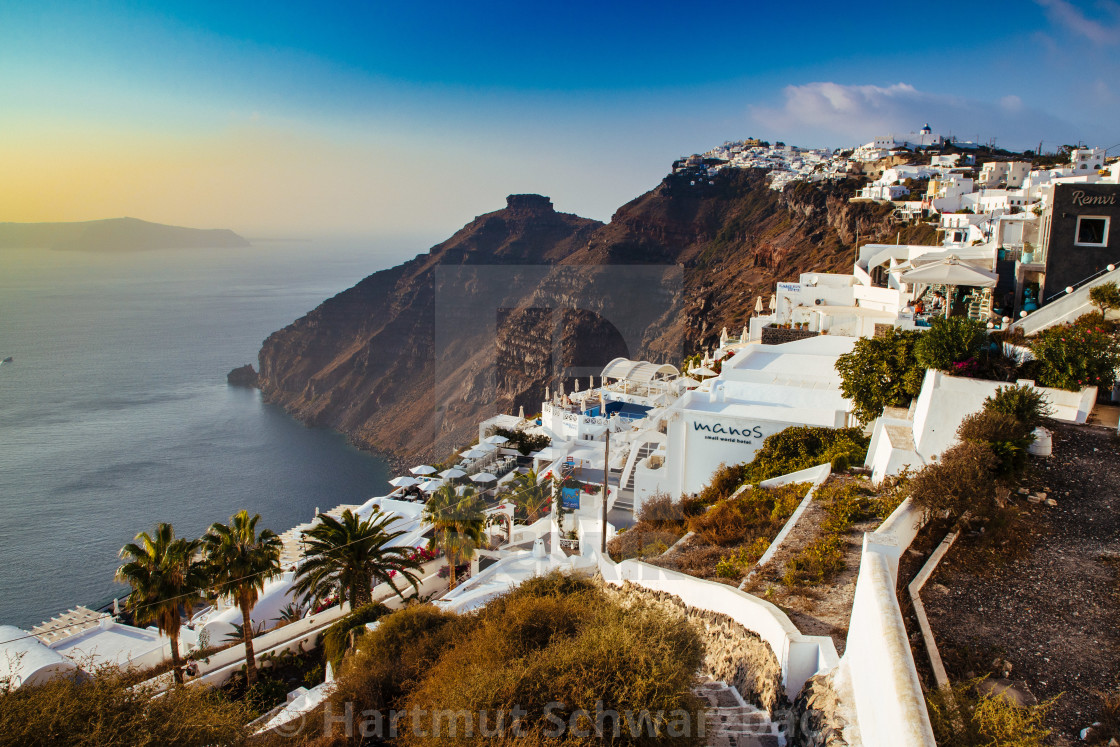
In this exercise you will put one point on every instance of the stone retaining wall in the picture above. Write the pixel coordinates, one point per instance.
(732, 654)
(814, 719)
(778, 335)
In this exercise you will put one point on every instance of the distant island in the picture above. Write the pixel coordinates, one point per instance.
(114, 235)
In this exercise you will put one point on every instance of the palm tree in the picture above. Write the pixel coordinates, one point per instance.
(529, 495)
(165, 577)
(346, 555)
(459, 522)
(240, 561)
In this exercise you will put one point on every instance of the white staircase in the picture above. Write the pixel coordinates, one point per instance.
(732, 722)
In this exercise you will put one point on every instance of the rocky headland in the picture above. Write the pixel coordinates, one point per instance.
(411, 358)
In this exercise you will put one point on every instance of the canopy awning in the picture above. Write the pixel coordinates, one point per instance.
(640, 371)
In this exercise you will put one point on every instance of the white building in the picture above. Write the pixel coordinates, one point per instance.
(918, 437)
(762, 389)
(1009, 174)
(1087, 159)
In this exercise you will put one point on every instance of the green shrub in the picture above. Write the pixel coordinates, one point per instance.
(757, 511)
(816, 563)
(1105, 297)
(881, 372)
(961, 717)
(725, 481)
(525, 443)
(962, 480)
(956, 340)
(110, 709)
(1005, 435)
(337, 637)
(800, 447)
(1024, 403)
(844, 502)
(738, 563)
(1075, 356)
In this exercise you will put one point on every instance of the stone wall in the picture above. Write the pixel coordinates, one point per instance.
(778, 335)
(732, 654)
(814, 719)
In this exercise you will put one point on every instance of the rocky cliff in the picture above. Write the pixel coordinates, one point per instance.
(407, 361)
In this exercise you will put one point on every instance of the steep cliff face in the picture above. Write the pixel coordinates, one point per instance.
(408, 360)
(365, 362)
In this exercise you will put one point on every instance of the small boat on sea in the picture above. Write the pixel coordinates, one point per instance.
(7, 360)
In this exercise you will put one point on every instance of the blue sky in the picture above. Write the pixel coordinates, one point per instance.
(409, 119)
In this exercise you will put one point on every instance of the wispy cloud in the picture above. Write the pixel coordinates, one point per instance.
(1104, 32)
(839, 114)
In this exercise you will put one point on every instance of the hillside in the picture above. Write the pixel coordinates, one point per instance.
(114, 235)
(407, 361)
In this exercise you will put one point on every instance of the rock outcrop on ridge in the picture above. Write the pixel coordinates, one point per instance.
(411, 358)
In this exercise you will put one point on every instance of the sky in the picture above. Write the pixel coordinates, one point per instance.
(283, 119)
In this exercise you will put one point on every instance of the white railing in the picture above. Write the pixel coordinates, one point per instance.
(878, 667)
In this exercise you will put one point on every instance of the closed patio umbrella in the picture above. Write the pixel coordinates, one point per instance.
(758, 305)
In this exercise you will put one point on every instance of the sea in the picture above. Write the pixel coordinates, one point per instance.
(115, 413)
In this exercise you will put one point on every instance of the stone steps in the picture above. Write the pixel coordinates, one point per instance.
(734, 723)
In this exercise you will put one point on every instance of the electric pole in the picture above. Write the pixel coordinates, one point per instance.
(606, 486)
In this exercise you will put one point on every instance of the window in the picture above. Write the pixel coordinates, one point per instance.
(1091, 231)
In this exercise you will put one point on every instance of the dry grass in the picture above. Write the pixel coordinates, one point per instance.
(107, 710)
(555, 640)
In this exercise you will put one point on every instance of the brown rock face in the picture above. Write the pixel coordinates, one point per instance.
(411, 358)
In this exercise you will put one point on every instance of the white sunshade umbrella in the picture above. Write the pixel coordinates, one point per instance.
(758, 305)
(702, 371)
(423, 469)
(452, 473)
(473, 453)
(773, 301)
(496, 439)
(951, 271)
(483, 477)
(432, 486)
(687, 382)
(486, 448)
(403, 481)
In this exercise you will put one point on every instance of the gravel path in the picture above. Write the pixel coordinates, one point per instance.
(1054, 613)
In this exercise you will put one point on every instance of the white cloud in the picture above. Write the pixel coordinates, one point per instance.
(828, 113)
(1072, 18)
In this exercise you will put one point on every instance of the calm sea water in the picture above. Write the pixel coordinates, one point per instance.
(115, 413)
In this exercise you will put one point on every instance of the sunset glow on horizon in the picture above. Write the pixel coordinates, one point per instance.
(410, 121)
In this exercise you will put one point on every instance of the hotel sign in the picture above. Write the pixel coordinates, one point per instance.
(731, 434)
(1081, 199)
(789, 287)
